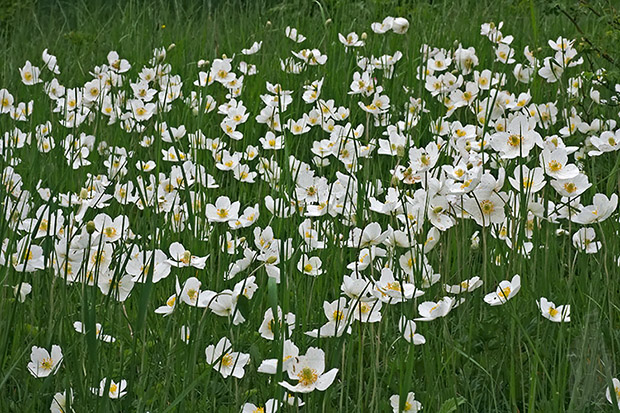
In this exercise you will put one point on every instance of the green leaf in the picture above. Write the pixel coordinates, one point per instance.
(451, 404)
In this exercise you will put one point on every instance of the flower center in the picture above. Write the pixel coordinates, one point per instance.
(487, 207)
(514, 140)
(570, 187)
(227, 360)
(307, 376)
(555, 166)
(46, 363)
(504, 292)
(394, 286)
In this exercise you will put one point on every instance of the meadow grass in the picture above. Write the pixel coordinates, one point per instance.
(478, 358)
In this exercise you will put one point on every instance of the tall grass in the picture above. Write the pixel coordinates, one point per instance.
(476, 359)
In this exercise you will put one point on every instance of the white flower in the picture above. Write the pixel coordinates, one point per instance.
(411, 404)
(551, 312)
(59, 402)
(571, 187)
(289, 352)
(224, 360)
(384, 26)
(555, 164)
(119, 287)
(486, 209)
(310, 265)
(30, 74)
(191, 294)
(271, 406)
(464, 286)
(601, 209)
(388, 289)
(79, 327)
(309, 371)
(400, 25)
(185, 334)
(505, 291)
(616, 390)
(527, 180)
(167, 308)
(223, 210)
(266, 329)
(351, 40)
(180, 257)
(115, 391)
(338, 320)
(430, 310)
(292, 34)
(22, 290)
(407, 329)
(518, 140)
(42, 364)
(584, 240)
(253, 49)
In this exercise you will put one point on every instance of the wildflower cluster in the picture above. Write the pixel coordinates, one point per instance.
(255, 195)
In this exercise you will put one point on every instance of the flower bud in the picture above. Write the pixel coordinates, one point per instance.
(394, 181)
(90, 227)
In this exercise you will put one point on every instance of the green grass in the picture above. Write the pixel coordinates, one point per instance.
(483, 358)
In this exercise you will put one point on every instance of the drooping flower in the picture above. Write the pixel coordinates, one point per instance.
(407, 329)
(584, 240)
(22, 290)
(60, 401)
